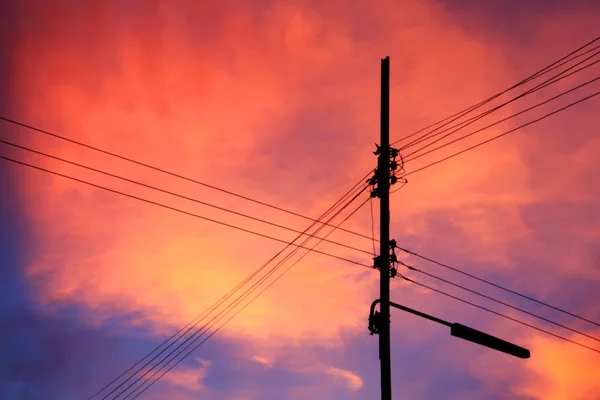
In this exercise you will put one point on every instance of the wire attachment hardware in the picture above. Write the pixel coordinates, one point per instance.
(372, 182)
(374, 323)
(395, 173)
(393, 260)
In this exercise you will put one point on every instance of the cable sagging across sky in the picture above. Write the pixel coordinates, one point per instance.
(356, 189)
(173, 174)
(506, 289)
(464, 124)
(468, 110)
(500, 314)
(248, 303)
(503, 134)
(499, 301)
(409, 158)
(204, 203)
(204, 329)
(168, 207)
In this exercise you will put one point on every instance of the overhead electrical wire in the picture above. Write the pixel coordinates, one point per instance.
(541, 72)
(173, 174)
(195, 322)
(506, 289)
(136, 396)
(571, 59)
(501, 135)
(472, 120)
(548, 82)
(169, 192)
(170, 208)
(403, 182)
(468, 110)
(187, 326)
(79, 180)
(409, 158)
(410, 267)
(297, 248)
(199, 330)
(505, 133)
(372, 225)
(248, 303)
(413, 281)
(500, 314)
(557, 64)
(247, 294)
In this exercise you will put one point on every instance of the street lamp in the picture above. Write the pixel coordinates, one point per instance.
(457, 330)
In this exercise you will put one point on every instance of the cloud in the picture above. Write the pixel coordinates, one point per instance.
(44, 353)
(263, 361)
(556, 372)
(191, 377)
(279, 101)
(353, 381)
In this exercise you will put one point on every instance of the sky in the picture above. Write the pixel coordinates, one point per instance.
(279, 101)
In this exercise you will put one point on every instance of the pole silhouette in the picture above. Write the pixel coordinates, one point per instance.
(383, 188)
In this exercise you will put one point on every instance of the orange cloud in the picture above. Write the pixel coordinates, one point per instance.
(179, 97)
(562, 371)
(281, 104)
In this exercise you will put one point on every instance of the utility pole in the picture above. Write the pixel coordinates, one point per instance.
(383, 189)
(379, 322)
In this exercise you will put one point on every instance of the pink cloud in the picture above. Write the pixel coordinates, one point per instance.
(281, 104)
(190, 377)
(353, 381)
(263, 361)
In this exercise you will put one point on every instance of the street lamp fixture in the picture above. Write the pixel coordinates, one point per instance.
(457, 330)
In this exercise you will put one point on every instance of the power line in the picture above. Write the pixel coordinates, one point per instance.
(548, 82)
(170, 193)
(493, 124)
(466, 111)
(222, 300)
(372, 225)
(173, 208)
(53, 172)
(472, 120)
(571, 59)
(247, 304)
(501, 315)
(499, 301)
(198, 334)
(497, 286)
(45, 132)
(403, 182)
(502, 134)
(240, 310)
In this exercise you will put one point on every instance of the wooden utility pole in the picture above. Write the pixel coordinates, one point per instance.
(383, 185)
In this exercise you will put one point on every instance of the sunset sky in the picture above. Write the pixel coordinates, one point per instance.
(278, 100)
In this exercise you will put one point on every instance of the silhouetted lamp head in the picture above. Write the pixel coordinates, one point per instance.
(475, 336)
